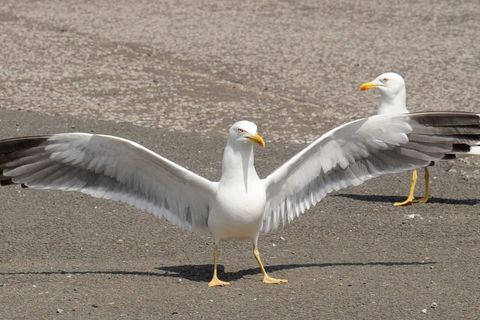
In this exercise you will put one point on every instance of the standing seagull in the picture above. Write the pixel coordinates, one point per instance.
(240, 205)
(393, 99)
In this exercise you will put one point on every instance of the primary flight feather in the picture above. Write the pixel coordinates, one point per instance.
(241, 204)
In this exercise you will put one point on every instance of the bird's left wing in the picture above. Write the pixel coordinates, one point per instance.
(360, 150)
(112, 168)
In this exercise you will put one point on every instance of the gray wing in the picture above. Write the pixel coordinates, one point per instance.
(112, 168)
(361, 150)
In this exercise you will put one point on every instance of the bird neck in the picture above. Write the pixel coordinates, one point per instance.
(393, 103)
(238, 163)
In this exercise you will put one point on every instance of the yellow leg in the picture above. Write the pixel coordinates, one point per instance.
(426, 194)
(410, 197)
(215, 282)
(266, 277)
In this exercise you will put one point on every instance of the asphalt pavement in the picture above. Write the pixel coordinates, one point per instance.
(173, 76)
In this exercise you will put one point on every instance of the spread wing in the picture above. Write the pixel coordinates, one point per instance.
(112, 168)
(361, 150)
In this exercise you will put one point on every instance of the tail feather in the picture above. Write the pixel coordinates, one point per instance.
(475, 150)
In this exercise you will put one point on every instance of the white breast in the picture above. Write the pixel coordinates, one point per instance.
(238, 210)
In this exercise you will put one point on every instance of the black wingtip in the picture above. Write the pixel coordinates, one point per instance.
(447, 118)
(15, 144)
(12, 148)
(461, 147)
(449, 156)
(6, 182)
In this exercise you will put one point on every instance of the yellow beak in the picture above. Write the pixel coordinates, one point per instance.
(258, 139)
(367, 86)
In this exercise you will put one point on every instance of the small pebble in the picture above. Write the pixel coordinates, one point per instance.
(424, 310)
(59, 310)
(411, 216)
(433, 305)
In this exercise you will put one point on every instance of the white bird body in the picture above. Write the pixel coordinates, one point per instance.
(239, 204)
(237, 214)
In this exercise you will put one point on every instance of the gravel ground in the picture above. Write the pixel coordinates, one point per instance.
(190, 64)
(173, 76)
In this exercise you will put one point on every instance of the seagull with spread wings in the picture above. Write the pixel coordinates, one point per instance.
(393, 99)
(240, 205)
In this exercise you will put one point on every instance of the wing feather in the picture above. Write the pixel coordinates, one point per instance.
(112, 168)
(361, 150)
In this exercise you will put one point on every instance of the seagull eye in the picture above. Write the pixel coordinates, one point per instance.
(240, 130)
(385, 79)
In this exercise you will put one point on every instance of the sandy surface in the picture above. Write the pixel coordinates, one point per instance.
(204, 64)
(173, 76)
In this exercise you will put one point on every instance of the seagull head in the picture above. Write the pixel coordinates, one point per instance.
(245, 132)
(389, 83)
(393, 97)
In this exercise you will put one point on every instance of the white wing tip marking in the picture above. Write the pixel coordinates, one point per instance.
(475, 150)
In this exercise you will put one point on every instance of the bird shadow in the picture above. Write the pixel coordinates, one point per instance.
(391, 199)
(203, 272)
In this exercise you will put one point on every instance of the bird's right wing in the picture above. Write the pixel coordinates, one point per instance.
(360, 150)
(112, 168)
